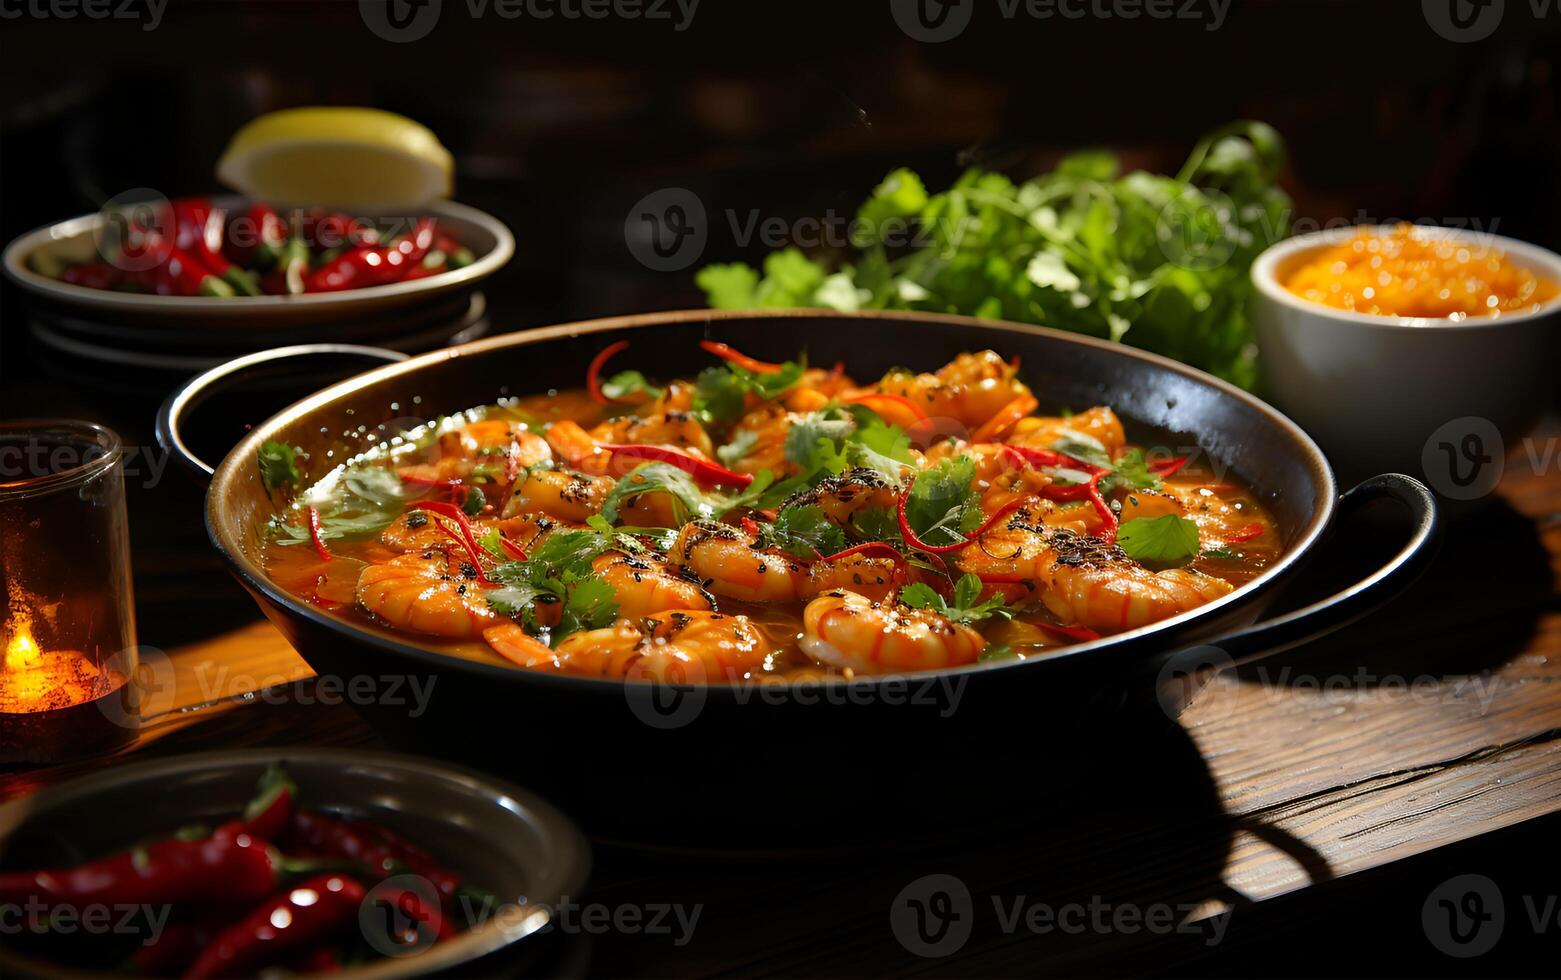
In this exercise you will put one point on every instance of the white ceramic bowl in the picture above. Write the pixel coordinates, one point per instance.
(491, 243)
(1434, 398)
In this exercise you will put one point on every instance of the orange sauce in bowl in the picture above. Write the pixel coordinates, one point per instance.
(1413, 272)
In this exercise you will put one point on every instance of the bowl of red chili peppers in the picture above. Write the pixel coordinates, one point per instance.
(231, 864)
(228, 263)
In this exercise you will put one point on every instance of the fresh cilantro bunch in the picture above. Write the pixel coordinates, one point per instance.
(1154, 261)
(559, 572)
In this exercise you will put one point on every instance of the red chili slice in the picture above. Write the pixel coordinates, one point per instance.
(593, 374)
(314, 535)
(1081, 633)
(699, 469)
(730, 354)
(911, 539)
(465, 537)
(1169, 467)
(1246, 534)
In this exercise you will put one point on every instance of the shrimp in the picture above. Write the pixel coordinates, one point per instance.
(850, 631)
(559, 493)
(768, 425)
(492, 449)
(414, 531)
(673, 429)
(1044, 432)
(729, 561)
(843, 497)
(1217, 519)
(683, 646)
(866, 574)
(1083, 580)
(644, 587)
(426, 592)
(969, 389)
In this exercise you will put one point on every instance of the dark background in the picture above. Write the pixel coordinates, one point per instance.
(791, 109)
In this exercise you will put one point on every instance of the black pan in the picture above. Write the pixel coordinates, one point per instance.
(630, 758)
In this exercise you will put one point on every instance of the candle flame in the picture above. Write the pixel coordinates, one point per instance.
(22, 653)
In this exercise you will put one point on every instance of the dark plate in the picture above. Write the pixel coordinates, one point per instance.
(502, 838)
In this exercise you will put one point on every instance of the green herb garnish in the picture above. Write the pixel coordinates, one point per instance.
(1167, 540)
(963, 608)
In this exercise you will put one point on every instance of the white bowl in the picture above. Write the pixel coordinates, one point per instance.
(491, 243)
(1437, 398)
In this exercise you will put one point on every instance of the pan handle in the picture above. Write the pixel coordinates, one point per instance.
(170, 418)
(1276, 635)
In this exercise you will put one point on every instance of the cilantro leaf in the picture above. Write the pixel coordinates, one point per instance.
(719, 393)
(1166, 540)
(743, 441)
(626, 383)
(963, 609)
(278, 465)
(803, 531)
(474, 502)
(1130, 471)
(591, 605)
(692, 500)
(943, 506)
(817, 434)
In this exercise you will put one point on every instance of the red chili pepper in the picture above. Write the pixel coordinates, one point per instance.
(909, 533)
(1091, 492)
(324, 230)
(266, 815)
(172, 951)
(902, 566)
(727, 352)
(308, 913)
(93, 275)
(226, 868)
(372, 265)
(198, 232)
(750, 527)
(699, 469)
(1037, 457)
(593, 374)
(255, 240)
(315, 537)
(1169, 467)
(1082, 634)
(463, 535)
(181, 274)
(515, 551)
(382, 851)
(884, 398)
(1246, 534)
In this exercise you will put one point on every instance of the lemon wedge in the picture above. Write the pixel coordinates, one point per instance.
(343, 157)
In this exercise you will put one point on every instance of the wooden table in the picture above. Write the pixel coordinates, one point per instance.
(1431, 723)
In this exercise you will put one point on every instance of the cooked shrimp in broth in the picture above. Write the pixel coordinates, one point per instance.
(758, 520)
